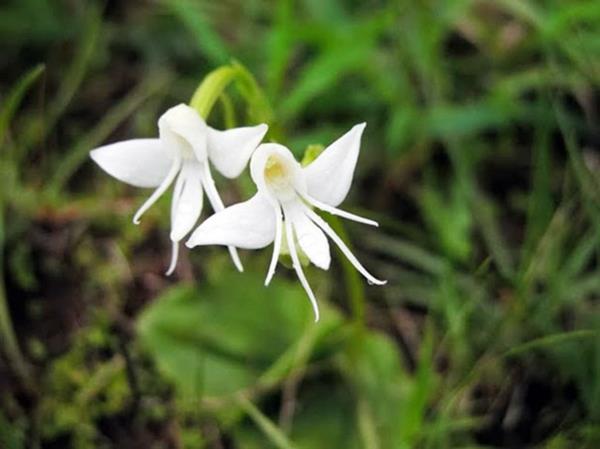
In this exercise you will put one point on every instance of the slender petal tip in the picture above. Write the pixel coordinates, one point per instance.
(376, 282)
(317, 316)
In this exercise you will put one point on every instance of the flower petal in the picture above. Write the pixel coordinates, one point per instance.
(249, 225)
(339, 212)
(183, 131)
(139, 162)
(217, 205)
(298, 268)
(164, 185)
(276, 244)
(328, 178)
(186, 207)
(174, 257)
(310, 238)
(342, 246)
(230, 150)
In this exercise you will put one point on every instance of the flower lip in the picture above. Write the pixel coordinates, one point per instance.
(276, 173)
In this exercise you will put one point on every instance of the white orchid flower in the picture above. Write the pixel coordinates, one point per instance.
(286, 192)
(183, 150)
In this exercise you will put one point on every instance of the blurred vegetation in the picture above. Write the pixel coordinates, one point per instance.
(480, 161)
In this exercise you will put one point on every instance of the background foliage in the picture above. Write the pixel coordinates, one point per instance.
(480, 161)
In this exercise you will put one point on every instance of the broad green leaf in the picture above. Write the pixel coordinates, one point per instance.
(220, 338)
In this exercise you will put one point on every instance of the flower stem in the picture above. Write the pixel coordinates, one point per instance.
(211, 87)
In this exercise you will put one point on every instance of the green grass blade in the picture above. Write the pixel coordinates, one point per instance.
(206, 38)
(78, 154)
(15, 96)
(270, 430)
(551, 340)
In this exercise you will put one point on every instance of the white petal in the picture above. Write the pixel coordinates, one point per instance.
(329, 176)
(217, 205)
(298, 268)
(310, 238)
(139, 162)
(174, 256)
(164, 185)
(339, 212)
(183, 132)
(342, 246)
(187, 205)
(276, 245)
(230, 150)
(249, 225)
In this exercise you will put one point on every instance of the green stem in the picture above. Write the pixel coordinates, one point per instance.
(269, 429)
(208, 92)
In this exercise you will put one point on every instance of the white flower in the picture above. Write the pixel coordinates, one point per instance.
(182, 150)
(286, 192)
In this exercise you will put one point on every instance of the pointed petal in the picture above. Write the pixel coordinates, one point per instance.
(328, 178)
(298, 268)
(188, 203)
(276, 245)
(310, 238)
(249, 225)
(342, 246)
(230, 150)
(164, 185)
(339, 212)
(174, 256)
(139, 162)
(217, 205)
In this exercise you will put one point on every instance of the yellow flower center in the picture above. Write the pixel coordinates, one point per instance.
(276, 173)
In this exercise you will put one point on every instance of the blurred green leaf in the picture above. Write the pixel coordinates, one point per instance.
(207, 40)
(221, 338)
(12, 435)
(467, 119)
(95, 136)
(449, 218)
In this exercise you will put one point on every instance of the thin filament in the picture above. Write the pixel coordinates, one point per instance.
(159, 190)
(217, 205)
(276, 245)
(298, 268)
(341, 213)
(338, 241)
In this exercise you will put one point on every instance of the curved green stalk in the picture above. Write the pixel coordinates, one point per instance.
(211, 87)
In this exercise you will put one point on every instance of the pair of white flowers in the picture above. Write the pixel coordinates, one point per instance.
(280, 211)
